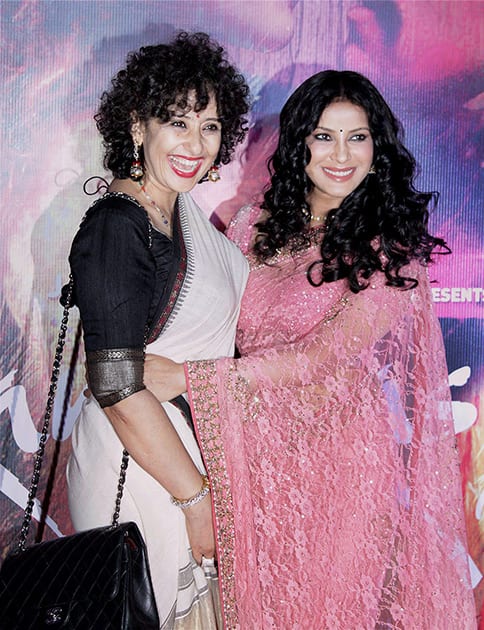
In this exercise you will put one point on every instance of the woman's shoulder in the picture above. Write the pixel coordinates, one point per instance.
(117, 204)
(109, 218)
(117, 211)
(241, 227)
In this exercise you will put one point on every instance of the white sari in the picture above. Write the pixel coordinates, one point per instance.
(201, 325)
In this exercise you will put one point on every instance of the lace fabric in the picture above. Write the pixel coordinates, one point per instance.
(332, 457)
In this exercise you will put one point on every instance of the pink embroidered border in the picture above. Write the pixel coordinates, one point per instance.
(202, 392)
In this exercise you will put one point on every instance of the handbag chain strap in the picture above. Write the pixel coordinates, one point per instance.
(49, 407)
(121, 480)
(34, 483)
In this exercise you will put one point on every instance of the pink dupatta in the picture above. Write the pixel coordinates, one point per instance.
(332, 457)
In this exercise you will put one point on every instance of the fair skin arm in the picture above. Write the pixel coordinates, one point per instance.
(147, 434)
(164, 377)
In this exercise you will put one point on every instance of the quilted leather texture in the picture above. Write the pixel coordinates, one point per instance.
(94, 580)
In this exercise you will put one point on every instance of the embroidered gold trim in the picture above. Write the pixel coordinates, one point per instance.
(202, 376)
(111, 399)
(115, 374)
(335, 310)
(115, 354)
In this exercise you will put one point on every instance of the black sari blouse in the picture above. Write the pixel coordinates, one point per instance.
(124, 274)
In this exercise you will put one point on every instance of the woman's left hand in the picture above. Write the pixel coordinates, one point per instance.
(163, 377)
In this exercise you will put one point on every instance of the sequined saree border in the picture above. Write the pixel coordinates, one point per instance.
(202, 379)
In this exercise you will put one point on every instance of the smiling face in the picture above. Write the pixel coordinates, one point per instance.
(178, 153)
(341, 149)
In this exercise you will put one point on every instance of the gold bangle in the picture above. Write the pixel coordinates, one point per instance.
(186, 503)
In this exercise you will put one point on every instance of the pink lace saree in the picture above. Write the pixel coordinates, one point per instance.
(332, 457)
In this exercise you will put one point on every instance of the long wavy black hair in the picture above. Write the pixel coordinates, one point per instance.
(158, 79)
(385, 208)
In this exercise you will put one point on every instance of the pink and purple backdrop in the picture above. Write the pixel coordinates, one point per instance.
(57, 56)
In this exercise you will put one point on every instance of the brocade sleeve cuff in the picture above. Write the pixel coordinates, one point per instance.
(115, 374)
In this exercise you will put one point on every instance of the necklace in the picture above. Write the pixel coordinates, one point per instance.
(318, 219)
(159, 210)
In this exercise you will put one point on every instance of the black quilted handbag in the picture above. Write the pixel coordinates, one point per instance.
(98, 579)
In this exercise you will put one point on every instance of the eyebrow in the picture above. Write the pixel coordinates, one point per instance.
(187, 115)
(350, 131)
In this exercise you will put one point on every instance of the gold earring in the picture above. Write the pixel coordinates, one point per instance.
(372, 170)
(136, 169)
(213, 173)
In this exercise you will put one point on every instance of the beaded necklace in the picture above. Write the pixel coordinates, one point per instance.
(321, 219)
(159, 210)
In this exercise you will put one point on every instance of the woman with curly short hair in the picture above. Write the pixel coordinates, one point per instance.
(337, 495)
(160, 79)
(150, 270)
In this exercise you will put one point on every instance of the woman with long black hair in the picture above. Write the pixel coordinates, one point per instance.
(330, 443)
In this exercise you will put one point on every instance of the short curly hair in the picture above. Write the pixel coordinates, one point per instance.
(158, 78)
(385, 208)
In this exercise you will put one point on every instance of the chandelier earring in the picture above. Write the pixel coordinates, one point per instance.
(213, 173)
(136, 169)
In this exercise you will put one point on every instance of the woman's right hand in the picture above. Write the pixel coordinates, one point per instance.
(200, 529)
